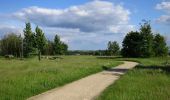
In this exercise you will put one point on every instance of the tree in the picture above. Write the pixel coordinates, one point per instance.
(159, 45)
(64, 48)
(131, 45)
(29, 40)
(147, 40)
(109, 48)
(60, 47)
(11, 45)
(57, 45)
(40, 41)
(49, 48)
(168, 50)
(144, 43)
(113, 48)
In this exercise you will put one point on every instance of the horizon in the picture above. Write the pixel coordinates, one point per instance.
(85, 24)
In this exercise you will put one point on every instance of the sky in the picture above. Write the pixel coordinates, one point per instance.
(85, 24)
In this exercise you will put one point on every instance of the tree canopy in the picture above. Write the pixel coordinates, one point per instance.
(60, 47)
(113, 48)
(29, 40)
(32, 43)
(144, 43)
(11, 45)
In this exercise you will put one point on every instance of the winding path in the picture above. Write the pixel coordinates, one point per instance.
(86, 88)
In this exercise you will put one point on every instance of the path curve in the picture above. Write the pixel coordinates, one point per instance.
(86, 88)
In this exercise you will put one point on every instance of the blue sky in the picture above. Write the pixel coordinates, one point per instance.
(85, 24)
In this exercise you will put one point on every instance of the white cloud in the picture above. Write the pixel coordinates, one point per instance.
(87, 26)
(82, 40)
(164, 6)
(95, 16)
(164, 19)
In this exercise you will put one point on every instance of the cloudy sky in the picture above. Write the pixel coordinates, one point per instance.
(85, 24)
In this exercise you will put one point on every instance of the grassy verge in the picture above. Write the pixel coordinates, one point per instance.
(148, 81)
(20, 79)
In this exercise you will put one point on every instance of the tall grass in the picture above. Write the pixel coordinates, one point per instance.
(149, 81)
(20, 79)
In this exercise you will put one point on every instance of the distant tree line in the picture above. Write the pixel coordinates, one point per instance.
(144, 43)
(87, 52)
(31, 43)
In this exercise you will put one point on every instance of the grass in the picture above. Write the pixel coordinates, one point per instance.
(20, 79)
(148, 81)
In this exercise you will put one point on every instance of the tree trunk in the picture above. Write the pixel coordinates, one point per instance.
(39, 55)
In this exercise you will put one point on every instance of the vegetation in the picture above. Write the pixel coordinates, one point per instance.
(20, 79)
(87, 52)
(11, 44)
(31, 43)
(113, 48)
(49, 48)
(148, 81)
(29, 40)
(40, 41)
(144, 43)
(24, 78)
(160, 48)
(60, 47)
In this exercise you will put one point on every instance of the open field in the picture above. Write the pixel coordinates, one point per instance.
(148, 81)
(20, 79)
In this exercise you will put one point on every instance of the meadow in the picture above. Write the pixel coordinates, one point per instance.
(148, 81)
(20, 79)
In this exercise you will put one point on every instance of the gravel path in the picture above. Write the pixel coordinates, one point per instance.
(86, 88)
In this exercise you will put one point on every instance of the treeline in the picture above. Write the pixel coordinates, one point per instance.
(144, 43)
(87, 52)
(32, 43)
(113, 49)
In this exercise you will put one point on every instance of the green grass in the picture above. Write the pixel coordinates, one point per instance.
(148, 81)
(20, 79)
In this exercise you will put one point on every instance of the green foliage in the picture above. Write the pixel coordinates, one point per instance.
(29, 40)
(87, 52)
(40, 41)
(64, 48)
(131, 45)
(147, 40)
(113, 48)
(32, 42)
(169, 51)
(143, 43)
(11, 45)
(60, 47)
(159, 45)
(49, 48)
